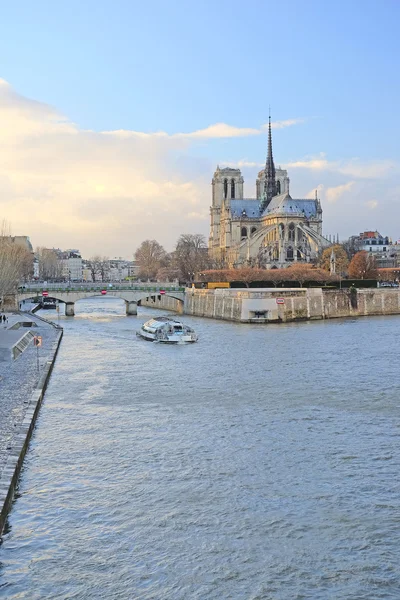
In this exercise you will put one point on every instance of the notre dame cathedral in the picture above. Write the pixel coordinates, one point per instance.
(271, 230)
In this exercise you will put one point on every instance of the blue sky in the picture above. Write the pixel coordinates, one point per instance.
(179, 67)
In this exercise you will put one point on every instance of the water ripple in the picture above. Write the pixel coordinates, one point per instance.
(261, 463)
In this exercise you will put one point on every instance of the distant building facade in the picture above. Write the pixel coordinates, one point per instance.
(272, 230)
(385, 252)
(119, 269)
(23, 241)
(71, 265)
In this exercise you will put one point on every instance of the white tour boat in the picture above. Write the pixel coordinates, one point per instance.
(167, 330)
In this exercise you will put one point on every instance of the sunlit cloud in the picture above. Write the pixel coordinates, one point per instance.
(105, 192)
(218, 130)
(333, 194)
(318, 188)
(244, 164)
(352, 167)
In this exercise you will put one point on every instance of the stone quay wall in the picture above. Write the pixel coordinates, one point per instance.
(164, 303)
(265, 305)
(10, 471)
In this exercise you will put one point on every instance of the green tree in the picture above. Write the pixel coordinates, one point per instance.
(342, 262)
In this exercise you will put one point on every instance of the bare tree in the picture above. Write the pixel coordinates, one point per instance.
(104, 268)
(302, 272)
(15, 262)
(99, 267)
(93, 265)
(151, 256)
(191, 255)
(50, 267)
(352, 246)
(165, 274)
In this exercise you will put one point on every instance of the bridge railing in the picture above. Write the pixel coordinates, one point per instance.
(27, 289)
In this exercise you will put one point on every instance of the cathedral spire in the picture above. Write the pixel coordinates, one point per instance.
(270, 181)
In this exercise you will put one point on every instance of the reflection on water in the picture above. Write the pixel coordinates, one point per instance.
(260, 463)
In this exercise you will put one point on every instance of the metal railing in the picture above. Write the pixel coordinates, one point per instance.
(56, 287)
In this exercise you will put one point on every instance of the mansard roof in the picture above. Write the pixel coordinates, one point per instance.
(281, 204)
(284, 203)
(245, 207)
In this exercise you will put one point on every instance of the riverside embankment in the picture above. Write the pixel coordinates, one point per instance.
(24, 373)
(281, 305)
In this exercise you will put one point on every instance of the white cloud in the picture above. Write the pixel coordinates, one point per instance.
(215, 131)
(285, 123)
(100, 191)
(352, 167)
(320, 189)
(333, 194)
(105, 192)
(372, 204)
(244, 164)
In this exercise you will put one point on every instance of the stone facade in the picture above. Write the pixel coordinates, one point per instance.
(299, 304)
(261, 306)
(269, 230)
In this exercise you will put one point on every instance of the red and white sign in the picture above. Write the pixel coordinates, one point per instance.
(103, 292)
(45, 293)
(162, 291)
(280, 300)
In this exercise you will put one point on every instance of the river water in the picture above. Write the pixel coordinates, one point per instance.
(261, 463)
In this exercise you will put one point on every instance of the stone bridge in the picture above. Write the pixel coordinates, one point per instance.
(132, 295)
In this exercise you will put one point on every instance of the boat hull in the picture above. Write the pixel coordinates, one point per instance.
(167, 330)
(171, 339)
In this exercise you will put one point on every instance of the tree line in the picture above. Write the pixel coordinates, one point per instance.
(188, 259)
(187, 262)
(16, 263)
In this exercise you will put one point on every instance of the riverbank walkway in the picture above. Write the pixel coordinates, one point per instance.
(19, 376)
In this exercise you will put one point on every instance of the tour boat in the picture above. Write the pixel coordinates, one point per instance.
(166, 330)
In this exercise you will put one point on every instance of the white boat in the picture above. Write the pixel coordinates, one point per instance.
(166, 330)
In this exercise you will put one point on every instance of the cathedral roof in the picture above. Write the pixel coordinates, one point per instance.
(281, 204)
(284, 203)
(245, 207)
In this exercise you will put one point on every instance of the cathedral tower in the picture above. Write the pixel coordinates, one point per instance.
(270, 180)
(227, 185)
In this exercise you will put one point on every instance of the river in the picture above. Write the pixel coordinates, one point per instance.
(261, 463)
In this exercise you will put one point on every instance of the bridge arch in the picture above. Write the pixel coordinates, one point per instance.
(131, 296)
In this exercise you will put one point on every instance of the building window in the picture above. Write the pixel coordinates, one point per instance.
(244, 232)
(232, 188)
(278, 187)
(253, 230)
(289, 253)
(225, 188)
(291, 232)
